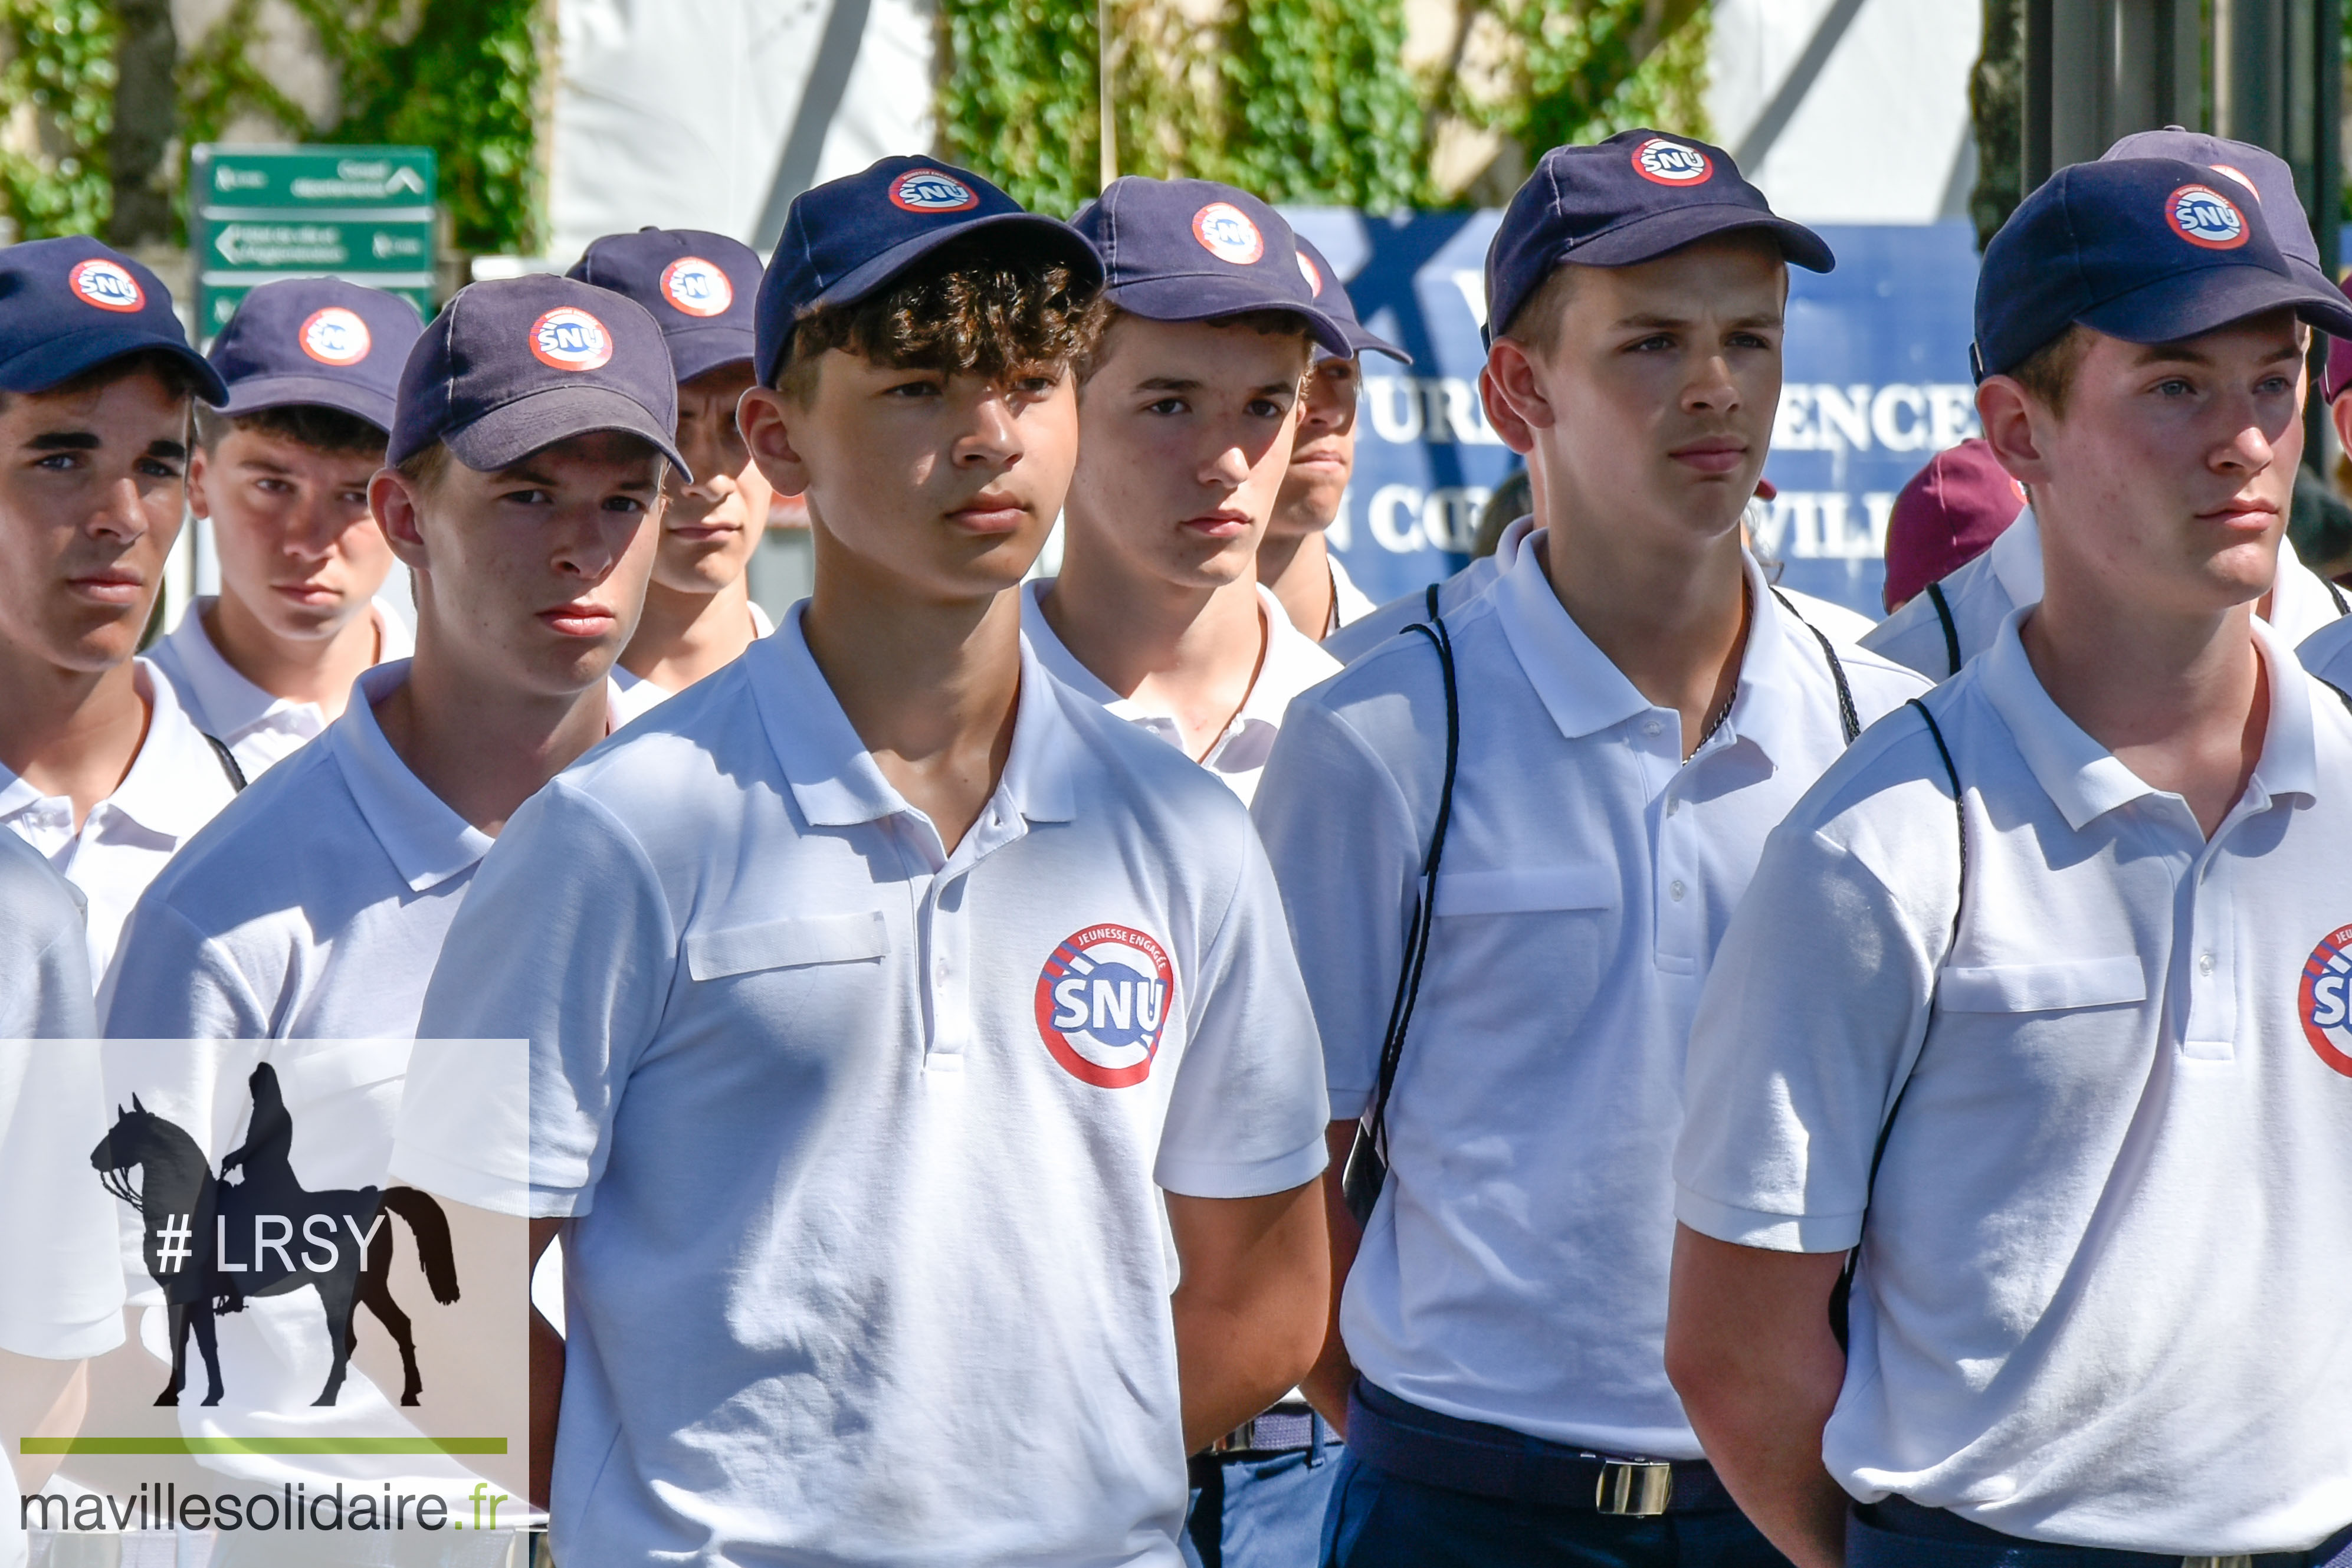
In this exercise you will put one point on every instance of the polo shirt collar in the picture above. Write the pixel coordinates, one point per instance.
(426, 841)
(235, 703)
(1585, 692)
(833, 778)
(176, 782)
(2085, 781)
(2015, 558)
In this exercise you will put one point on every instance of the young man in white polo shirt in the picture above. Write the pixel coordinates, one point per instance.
(524, 493)
(281, 470)
(102, 770)
(61, 1294)
(1977, 599)
(2040, 996)
(1186, 404)
(698, 609)
(900, 988)
(1635, 710)
(1294, 558)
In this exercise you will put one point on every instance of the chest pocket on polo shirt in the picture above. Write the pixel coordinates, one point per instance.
(1525, 937)
(782, 963)
(2063, 987)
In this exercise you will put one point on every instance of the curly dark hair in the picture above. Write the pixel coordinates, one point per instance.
(978, 306)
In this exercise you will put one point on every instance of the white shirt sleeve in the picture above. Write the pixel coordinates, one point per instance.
(564, 940)
(1810, 1018)
(1347, 852)
(1245, 1113)
(169, 980)
(61, 1291)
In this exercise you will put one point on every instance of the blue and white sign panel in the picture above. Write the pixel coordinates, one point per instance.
(1876, 383)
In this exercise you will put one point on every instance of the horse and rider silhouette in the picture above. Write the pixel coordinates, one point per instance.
(186, 1212)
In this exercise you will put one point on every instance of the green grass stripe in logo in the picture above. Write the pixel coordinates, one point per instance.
(262, 1445)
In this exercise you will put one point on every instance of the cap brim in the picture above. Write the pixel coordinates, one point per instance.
(697, 352)
(2191, 304)
(513, 431)
(1202, 297)
(1361, 341)
(60, 359)
(1652, 235)
(260, 392)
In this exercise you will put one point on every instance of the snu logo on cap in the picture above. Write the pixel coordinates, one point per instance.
(1314, 278)
(1227, 233)
(930, 191)
(2324, 1001)
(2205, 217)
(1666, 162)
(102, 283)
(567, 338)
(696, 287)
(335, 336)
(1102, 1005)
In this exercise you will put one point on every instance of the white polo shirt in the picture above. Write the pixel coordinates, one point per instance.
(175, 785)
(1293, 662)
(2101, 1299)
(863, 1139)
(637, 695)
(2327, 653)
(1983, 593)
(1515, 1269)
(259, 727)
(1360, 635)
(1349, 603)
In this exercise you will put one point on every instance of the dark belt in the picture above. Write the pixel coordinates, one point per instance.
(1916, 1522)
(1399, 1436)
(1284, 1429)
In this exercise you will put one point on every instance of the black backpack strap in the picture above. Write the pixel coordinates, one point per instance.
(1842, 1293)
(1367, 1169)
(1848, 719)
(2336, 594)
(237, 779)
(1951, 628)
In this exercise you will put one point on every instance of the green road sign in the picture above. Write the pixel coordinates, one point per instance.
(364, 214)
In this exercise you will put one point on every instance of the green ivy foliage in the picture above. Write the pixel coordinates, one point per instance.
(62, 66)
(461, 77)
(1324, 112)
(1017, 96)
(1585, 69)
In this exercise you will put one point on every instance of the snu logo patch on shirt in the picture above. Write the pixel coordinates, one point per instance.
(2324, 1001)
(1102, 1005)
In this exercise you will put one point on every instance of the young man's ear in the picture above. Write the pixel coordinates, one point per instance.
(764, 417)
(199, 462)
(2015, 424)
(1516, 403)
(394, 498)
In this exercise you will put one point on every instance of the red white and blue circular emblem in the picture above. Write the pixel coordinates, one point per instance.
(2205, 217)
(106, 285)
(1102, 1005)
(335, 336)
(567, 338)
(2323, 1001)
(1227, 233)
(697, 286)
(1666, 162)
(1314, 278)
(928, 191)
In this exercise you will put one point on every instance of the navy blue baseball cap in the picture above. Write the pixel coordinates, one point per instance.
(1331, 297)
(513, 364)
(847, 237)
(1191, 250)
(71, 304)
(2150, 250)
(700, 289)
(2259, 170)
(1630, 199)
(316, 341)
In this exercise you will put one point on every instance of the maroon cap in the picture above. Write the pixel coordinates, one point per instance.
(2339, 358)
(1948, 514)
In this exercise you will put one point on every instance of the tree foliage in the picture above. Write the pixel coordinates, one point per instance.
(61, 71)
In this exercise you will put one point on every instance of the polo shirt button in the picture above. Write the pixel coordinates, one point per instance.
(1650, 726)
(1676, 890)
(2205, 964)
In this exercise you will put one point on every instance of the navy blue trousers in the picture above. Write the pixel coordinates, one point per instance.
(1381, 1520)
(1902, 1536)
